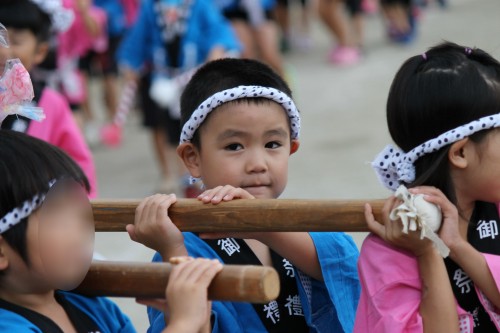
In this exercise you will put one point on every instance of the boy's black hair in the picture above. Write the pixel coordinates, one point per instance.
(27, 165)
(24, 14)
(219, 75)
(449, 86)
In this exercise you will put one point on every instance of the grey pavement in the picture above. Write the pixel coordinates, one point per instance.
(343, 112)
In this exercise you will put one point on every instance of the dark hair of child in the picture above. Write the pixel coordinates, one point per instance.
(24, 14)
(27, 165)
(447, 86)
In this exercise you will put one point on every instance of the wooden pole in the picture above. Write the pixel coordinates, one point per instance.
(254, 284)
(246, 215)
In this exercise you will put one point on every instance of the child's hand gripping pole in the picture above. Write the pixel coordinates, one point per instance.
(417, 214)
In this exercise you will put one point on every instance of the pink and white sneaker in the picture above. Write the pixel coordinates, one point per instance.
(344, 56)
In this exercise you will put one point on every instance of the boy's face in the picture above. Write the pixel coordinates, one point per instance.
(245, 145)
(59, 241)
(23, 45)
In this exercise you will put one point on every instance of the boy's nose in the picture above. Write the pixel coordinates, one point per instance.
(256, 163)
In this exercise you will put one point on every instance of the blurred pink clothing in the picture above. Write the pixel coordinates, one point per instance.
(75, 43)
(392, 290)
(77, 40)
(60, 129)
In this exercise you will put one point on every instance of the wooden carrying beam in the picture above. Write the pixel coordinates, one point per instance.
(254, 284)
(246, 215)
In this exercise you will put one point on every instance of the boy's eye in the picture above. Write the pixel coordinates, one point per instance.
(234, 147)
(273, 145)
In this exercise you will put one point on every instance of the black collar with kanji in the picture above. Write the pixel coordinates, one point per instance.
(285, 314)
(483, 235)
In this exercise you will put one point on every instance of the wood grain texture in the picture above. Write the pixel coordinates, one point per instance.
(254, 284)
(246, 215)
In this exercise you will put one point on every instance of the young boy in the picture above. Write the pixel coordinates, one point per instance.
(46, 243)
(29, 28)
(240, 126)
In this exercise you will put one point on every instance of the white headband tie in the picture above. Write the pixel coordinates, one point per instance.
(393, 166)
(19, 213)
(216, 100)
(60, 17)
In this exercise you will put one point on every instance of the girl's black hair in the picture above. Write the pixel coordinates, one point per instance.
(223, 74)
(24, 14)
(27, 165)
(448, 86)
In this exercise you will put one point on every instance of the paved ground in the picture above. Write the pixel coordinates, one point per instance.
(343, 113)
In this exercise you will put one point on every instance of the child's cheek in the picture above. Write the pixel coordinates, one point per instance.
(66, 257)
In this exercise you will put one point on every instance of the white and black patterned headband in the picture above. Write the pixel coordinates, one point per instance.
(393, 166)
(60, 17)
(216, 100)
(19, 213)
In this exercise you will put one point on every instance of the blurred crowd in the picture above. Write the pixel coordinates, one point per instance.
(145, 51)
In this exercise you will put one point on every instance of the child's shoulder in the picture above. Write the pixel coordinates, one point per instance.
(13, 322)
(103, 311)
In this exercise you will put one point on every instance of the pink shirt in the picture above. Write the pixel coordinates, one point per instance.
(391, 291)
(77, 41)
(60, 129)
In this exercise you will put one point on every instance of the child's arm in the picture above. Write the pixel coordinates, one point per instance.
(187, 307)
(136, 47)
(437, 305)
(297, 247)
(153, 227)
(83, 7)
(219, 37)
(463, 253)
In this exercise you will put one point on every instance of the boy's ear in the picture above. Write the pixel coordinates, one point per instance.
(42, 50)
(190, 155)
(294, 146)
(4, 261)
(459, 154)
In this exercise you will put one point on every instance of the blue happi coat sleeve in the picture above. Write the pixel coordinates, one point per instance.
(215, 29)
(330, 306)
(137, 46)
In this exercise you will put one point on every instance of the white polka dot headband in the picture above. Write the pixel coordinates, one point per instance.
(394, 166)
(216, 100)
(19, 213)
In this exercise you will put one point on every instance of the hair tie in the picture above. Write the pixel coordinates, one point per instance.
(394, 167)
(424, 55)
(16, 215)
(468, 51)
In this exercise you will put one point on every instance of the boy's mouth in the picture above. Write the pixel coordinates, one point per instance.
(256, 189)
